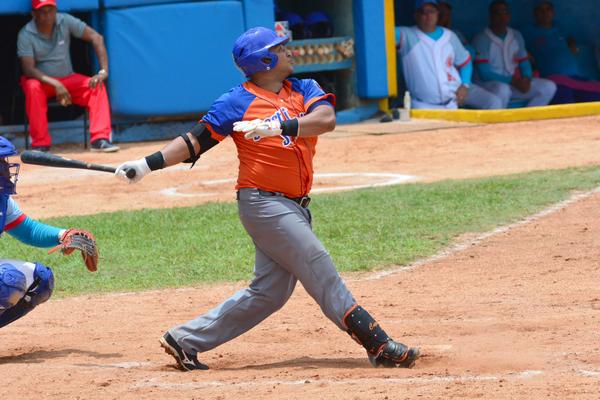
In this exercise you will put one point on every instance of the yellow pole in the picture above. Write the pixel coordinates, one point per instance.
(390, 47)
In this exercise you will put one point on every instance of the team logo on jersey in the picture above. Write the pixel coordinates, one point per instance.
(282, 114)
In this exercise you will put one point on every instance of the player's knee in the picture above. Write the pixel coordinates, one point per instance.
(44, 280)
(495, 102)
(13, 286)
(32, 86)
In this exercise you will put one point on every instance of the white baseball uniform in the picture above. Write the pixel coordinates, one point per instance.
(503, 55)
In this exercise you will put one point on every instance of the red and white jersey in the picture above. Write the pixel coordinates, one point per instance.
(431, 66)
(502, 54)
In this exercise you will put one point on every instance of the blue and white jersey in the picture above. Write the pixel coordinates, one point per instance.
(431, 66)
(14, 215)
(503, 54)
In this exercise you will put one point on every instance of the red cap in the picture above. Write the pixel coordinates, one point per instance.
(35, 4)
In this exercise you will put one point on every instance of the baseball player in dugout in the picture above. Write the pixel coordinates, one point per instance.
(24, 285)
(503, 63)
(275, 123)
(43, 48)
(436, 66)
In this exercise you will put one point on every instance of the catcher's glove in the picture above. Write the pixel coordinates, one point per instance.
(78, 239)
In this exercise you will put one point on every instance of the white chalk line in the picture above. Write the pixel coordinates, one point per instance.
(459, 247)
(391, 179)
(591, 374)
(419, 380)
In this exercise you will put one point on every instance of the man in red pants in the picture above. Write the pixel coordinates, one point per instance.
(43, 48)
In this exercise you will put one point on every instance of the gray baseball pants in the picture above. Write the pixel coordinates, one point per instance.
(287, 250)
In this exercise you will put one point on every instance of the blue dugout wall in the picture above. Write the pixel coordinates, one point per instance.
(24, 6)
(174, 58)
(156, 69)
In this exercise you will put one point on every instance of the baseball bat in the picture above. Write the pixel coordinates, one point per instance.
(52, 160)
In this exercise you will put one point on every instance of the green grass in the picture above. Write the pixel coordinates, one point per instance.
(364, 229)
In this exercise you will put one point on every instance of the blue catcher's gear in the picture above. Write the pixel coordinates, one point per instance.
(7, 148)
(37, 293)
(9, 173)
(13, 286)
(251, 50)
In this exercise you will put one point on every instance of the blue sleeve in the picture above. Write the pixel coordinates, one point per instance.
(526, 70)
(319, 103)
(311, 92)
(35, 233)
(227, 109)
(486, 74)
(466, 72)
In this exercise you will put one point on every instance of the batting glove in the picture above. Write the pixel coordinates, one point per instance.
(258, 128)
(140, 167)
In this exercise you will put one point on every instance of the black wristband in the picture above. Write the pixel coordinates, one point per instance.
(155, 161)
(290, 127)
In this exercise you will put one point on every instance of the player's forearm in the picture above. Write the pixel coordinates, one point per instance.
(466, 72)
(177, 150)
(100, 49)
(32, 72)
(526, 70)
(317, 122)
(35, 233)
(487, 75)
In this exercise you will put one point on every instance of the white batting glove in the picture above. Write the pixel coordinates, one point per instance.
(140, 167)
(258, 128)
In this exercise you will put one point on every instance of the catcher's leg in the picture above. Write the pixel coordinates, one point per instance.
(381, 349)
(15, 297)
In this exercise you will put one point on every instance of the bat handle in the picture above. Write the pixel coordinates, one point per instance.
(130, 173)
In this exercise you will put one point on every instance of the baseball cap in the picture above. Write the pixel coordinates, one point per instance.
(421, 3)
(35, 4)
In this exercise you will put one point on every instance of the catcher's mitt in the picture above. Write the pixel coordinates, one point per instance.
(78, 239)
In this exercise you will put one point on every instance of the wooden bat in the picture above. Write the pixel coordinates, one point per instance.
(52, 160)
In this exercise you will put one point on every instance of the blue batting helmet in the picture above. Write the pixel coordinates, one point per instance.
(251, 50)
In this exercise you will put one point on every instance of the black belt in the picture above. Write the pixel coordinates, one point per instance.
(303, 201)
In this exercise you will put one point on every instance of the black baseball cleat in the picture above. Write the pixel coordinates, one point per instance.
(185, 361)
(395, 355)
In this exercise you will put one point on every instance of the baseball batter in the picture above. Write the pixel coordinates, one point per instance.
(274, 122)
(24, 285)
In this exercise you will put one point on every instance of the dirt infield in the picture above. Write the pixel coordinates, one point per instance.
(515, 314)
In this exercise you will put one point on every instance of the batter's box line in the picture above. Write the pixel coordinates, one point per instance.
(459, 247)
(380, 382)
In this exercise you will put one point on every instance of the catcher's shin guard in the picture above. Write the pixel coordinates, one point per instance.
(382, 350)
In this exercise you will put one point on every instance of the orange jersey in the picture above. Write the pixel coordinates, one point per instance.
(276, 164)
